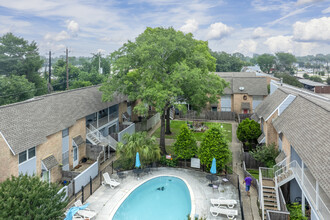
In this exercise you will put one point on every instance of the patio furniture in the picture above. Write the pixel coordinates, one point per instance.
(147, 170)
(211, 177)
(222, 210)
(86, 214)
(138, 172)
(108, 181)
(78, 203)
(121, 175)
(221, 201)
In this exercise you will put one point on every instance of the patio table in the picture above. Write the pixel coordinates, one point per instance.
(211, 177)
(138, 172)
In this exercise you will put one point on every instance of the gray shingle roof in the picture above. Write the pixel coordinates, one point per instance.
(260, 138)
(235, 74)
(245, 105)
(306, 124)
(50, 162)
(252, 85)
(270, 103)
(311, 83)
(27, 124)
(78, 140)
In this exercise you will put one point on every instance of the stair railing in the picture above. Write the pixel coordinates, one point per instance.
(261, 195)
(96, 133)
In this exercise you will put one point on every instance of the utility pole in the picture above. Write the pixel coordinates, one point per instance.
(67, 70)
(50, 67)
(99, 62)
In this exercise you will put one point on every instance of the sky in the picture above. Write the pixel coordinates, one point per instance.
(300, 27)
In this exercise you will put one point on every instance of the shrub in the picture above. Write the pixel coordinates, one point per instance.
(316, 79)
(328, 80)
(295, 212)
(185, 146)
(214, 145)
(265, 154)
(306, 76)
(173, 162)
(248, 131)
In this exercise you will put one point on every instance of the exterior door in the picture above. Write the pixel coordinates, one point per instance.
(75, 156)
(245, 111)
(46, 176)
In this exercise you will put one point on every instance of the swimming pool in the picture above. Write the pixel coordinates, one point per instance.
(164, 197)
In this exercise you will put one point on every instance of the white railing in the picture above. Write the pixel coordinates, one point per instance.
(84, 178)
(307, 187)
(65, 188)
(98, 135)
(261, 195)
(130, 130)
(151, 122)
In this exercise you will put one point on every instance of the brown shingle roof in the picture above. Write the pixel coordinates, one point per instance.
(50, 162)
(27, 124)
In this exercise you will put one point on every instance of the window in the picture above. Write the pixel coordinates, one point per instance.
(32, 152)
(65, 132)
(214, 109)
(22, 157)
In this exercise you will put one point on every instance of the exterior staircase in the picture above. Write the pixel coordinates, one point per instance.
(269, 195)
(95, 137)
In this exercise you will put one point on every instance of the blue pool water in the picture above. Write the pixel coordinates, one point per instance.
(159, 198)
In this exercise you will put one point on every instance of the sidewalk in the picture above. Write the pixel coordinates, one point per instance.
(250, 206)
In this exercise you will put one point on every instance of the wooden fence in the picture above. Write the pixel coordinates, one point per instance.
(208, 115)
(241, 117)
(250, 162)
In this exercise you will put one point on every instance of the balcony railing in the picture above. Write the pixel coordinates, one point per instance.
(104, 120)
(308, 188)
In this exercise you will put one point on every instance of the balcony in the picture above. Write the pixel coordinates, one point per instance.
(103, 120)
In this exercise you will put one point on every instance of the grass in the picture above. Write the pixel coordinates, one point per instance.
(175, 129)
(254, 173)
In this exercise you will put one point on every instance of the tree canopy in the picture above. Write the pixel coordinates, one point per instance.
(284, 62)
(27, 197)
(288, 79)
(228, 63)
(185, 146)
(266, 62)
(160, 67)
(214, 145)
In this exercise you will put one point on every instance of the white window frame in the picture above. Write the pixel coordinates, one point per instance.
(27, 155)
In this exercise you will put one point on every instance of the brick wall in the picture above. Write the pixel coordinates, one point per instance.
(270, 132)
(286, 147)
(8, 160)
(237, 103)
(79, 128)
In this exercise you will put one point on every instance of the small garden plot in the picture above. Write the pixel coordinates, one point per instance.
(176, 125)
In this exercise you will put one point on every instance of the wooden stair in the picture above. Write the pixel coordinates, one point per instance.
(269, 194)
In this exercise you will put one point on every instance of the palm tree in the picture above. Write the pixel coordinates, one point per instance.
(139, 142)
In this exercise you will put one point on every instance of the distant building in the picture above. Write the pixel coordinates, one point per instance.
(316, 87)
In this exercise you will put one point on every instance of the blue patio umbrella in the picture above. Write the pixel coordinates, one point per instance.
(213, 169)
(137, 160)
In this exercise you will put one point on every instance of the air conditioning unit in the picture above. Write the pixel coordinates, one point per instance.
(241, 88)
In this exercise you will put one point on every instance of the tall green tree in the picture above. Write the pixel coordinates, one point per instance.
(266, 62)
(284, 62)
(185, 146)
(328, 80)
(316, 79)
(227, 63)
(139, 142)
(288, 79)
(21, 58)
(161, 66)
(214, 145)
(248, 131)
(15, 89)
(60, 73)
(26, 197)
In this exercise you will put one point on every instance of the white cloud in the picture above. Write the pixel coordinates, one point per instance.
(280, 43)
(292, 13)
(101, 51)
(326, 11)
(312, 30)
(218, 31)
(72, 26)
(302, 2)
(259, 32)
(63, 35)
(190, 27)
(247, 46)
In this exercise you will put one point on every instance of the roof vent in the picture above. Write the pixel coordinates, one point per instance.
(241, 88)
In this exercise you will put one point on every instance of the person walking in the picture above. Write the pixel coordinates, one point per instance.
(247, 181)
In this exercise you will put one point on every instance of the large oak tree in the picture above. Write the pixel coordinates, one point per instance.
(161, 66)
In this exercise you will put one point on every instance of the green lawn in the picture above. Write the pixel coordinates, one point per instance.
(175, 129)
(254, 173)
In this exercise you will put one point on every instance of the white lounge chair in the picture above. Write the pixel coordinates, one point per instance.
(86, 214)
(222, 210)
(79, 203)
(221, 201)
(108, 181)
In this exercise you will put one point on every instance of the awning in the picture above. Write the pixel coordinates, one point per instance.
(261, 139)
(245, 105)
(50, 162)
(78, 140)
(280, 157)
(214, 104)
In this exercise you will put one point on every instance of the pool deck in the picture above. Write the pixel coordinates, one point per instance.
(105, 201)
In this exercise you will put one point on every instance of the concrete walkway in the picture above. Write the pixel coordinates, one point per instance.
(250, 206)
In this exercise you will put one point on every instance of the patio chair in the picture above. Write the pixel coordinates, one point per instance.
(221, 201)
(108, 181)
(86, 214)
(79, 203)
(222, 210)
